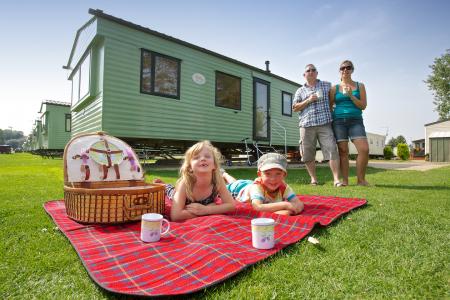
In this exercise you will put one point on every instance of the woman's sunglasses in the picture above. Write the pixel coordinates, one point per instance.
(348, 68)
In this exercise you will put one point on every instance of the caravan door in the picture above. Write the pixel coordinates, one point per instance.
(261, 108)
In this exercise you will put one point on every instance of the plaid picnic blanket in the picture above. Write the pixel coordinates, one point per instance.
(197, 253)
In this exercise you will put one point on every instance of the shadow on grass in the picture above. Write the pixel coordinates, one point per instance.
(414, 187)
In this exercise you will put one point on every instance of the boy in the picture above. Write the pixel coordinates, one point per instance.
(268, 192)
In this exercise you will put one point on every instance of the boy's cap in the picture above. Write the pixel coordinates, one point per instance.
(272, 161)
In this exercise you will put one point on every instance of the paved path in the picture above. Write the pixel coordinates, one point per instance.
(381, 164)
(409, 165)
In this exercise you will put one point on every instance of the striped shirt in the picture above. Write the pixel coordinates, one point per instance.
(316, 113)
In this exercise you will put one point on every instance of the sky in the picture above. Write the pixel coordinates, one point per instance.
(392, 43)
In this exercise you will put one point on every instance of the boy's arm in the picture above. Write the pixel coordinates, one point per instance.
(289, 195)
(298, 205)
(272, 207)
(257, 199)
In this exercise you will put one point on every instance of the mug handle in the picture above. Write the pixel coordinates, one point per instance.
(168, 227)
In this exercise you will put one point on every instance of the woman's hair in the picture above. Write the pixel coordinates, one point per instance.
(348, 62)
(186, 172)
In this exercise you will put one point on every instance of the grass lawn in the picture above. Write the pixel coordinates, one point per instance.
(395, 247)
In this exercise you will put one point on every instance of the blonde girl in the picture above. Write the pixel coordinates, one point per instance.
(199, 185)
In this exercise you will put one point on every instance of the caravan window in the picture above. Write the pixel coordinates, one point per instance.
(44, 121)
(286, 104)
(160, 74)
(68, 122)
(81, 80)
(228, 91)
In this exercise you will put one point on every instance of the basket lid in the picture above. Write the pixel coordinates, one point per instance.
(94, 157)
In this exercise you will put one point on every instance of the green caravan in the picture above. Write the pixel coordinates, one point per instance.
(146, 87)
(51, 131)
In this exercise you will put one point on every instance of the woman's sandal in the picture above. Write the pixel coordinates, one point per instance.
(315, 183)
(339, 184)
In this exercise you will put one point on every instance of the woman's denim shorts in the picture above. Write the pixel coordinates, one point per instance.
(345, 129)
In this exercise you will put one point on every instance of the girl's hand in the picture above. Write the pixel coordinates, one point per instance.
(346, 90)
(197, 209)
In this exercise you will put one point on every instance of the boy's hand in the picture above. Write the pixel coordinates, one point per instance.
(298, 206)
(289, 206)
(197, 209)
(295, 207)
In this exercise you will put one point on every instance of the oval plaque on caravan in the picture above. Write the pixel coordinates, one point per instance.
(198, 78)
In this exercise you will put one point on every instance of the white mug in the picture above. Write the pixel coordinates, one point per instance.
(319, 94)
(151, 227)
(263, 233)
(347, 91)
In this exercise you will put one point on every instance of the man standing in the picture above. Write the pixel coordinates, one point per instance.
(312, 102)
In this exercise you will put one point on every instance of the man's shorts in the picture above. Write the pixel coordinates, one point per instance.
(352, 129)
(308, 141)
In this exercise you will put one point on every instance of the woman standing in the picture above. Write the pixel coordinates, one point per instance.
(349, 100)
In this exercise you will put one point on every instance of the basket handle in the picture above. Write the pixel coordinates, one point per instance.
(140, 203)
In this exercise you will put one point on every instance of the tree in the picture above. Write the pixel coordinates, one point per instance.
(403, 151)
(439, 83)
(387, 152)
(12, 137)
(400, 139)
(393, 142)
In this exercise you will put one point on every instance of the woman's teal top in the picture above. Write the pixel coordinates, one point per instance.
(345, 108)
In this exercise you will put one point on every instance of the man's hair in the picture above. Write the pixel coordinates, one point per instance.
(310, 65)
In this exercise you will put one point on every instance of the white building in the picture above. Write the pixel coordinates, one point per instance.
(437, 141)
(376, 146)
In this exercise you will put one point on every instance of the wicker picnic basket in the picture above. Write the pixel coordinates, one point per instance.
(104, 182)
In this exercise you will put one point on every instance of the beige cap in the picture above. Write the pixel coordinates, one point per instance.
(272, 161)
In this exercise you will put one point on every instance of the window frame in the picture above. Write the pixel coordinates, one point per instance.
(77, 76)
(82, 72)
(44, 121)
(68, 117)
(282, 104)
(240, 90)
(153, 56)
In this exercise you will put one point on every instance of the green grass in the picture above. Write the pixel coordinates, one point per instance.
(395, 247)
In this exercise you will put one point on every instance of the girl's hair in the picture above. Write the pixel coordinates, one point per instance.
(346, 62)
(186, 172)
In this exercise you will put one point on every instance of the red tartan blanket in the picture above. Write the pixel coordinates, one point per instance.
(197, 253)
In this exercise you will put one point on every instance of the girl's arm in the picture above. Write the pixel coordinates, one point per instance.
(178, 211)
(360, 103)
(214, 209)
